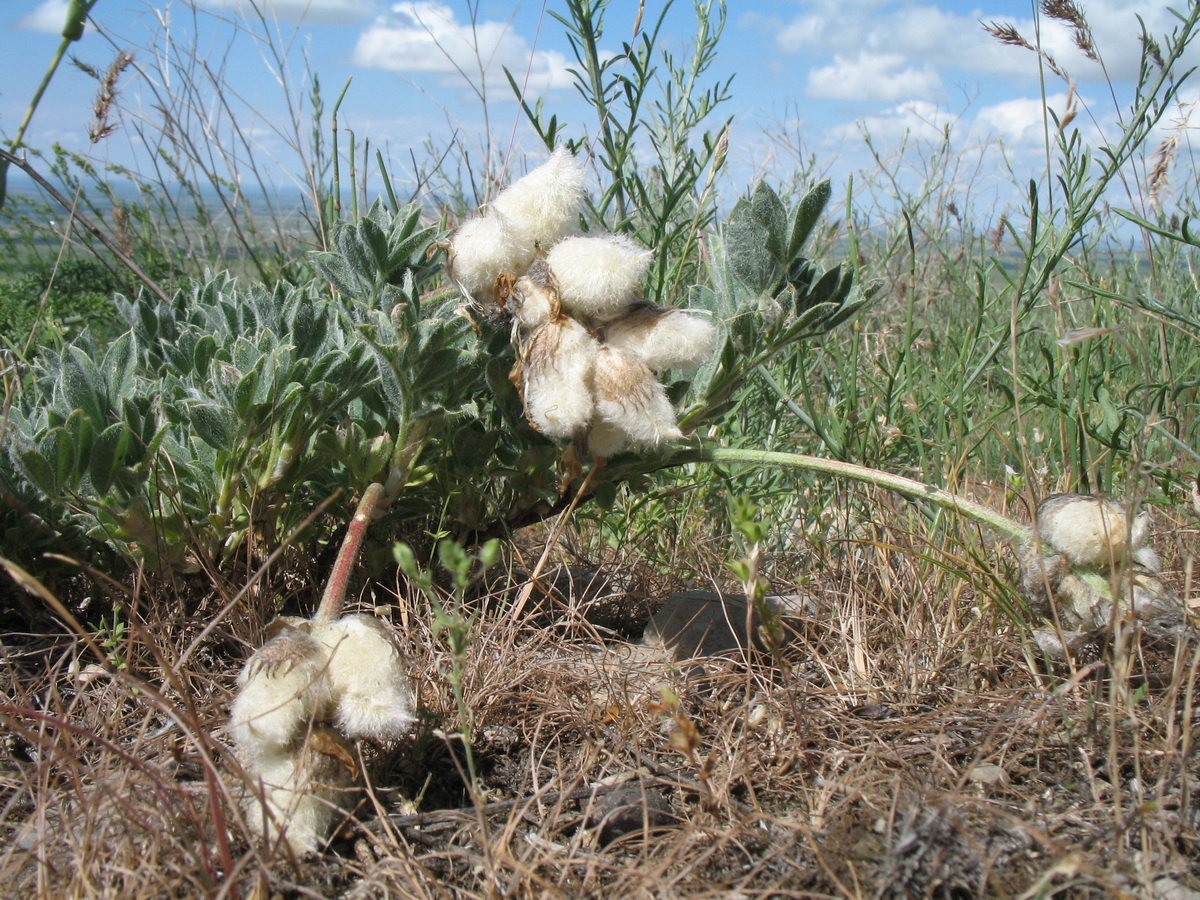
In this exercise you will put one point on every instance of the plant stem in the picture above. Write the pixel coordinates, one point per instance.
(71, 33)
(976, 512)
(335, 589)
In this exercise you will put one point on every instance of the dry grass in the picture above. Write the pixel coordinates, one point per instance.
(911, 750)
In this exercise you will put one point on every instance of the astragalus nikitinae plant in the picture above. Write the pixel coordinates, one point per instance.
(231, 412)
(216, 425)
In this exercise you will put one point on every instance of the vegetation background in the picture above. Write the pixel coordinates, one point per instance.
(200, 381)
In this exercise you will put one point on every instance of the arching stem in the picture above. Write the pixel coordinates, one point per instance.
(339, 579)
(976, 512)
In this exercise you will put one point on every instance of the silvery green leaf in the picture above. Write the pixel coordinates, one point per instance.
(107, 452)
(807, 213)
(213, 424)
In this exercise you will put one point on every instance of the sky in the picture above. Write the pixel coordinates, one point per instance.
(823, 84)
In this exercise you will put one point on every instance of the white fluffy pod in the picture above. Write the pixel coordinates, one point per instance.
(600, 277)
(632, 409)
(304, 791)
(480, 250)
(368, 682)
(663, 338)
(282, 691)
(556, 374)
(1092, 531)
(544, 205)
(534, 299)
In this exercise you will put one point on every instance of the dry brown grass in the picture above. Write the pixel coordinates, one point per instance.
(913, 749)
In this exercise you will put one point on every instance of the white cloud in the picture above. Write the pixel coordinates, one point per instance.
(48, 18)
(882, 77)
(1020, 121)
(426, 37)
(913, 120)
(324, 12)
(927, 36)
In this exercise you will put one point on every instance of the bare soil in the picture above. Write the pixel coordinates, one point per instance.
(904, 743)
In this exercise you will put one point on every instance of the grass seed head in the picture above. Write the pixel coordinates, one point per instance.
(599, 278)
(557, 374)
(663, 338)
(368, 682)
(544, 205)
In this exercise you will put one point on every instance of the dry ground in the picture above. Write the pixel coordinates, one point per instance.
(905, 744)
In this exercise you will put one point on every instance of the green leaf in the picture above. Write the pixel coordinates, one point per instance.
(808, 212)
(213, 424)
(82, 384)
(768, 211)
(120, 364)
(108, 450)
(749, 259)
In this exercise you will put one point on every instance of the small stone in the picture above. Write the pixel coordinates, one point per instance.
(693, 624)
(1170, 889)
(987, 773)
(628, 809)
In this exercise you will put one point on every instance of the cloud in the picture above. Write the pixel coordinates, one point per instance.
(322, 12)
(882, 77)
(426, 37)
(914, 119)
(1020, 121)
(923, 37)
(48, 18)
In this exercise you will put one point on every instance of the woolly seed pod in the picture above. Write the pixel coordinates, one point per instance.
(535, 297)
(1091, 531)
(303, 791)
(632, 409)
(598, 277)
(282, 692)
(368, 683)
(544, 205)
(662, 338)
(556, 370)
(480, 250)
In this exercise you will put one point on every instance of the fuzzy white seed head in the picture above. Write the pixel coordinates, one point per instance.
(1090, 531)
(598, 277)
(481, 249)
(368, 682)
(534, 300)
(556, 378)
(629, 401)
(303, 792)
(663, 338)
(544, 205)
(282, 692)
(606, 439)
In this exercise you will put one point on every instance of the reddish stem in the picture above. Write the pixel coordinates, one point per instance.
(339, 579)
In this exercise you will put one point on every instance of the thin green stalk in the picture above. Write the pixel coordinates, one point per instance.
(909, 487)
(72, 31)
(335, 198)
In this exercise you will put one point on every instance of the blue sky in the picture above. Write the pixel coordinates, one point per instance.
(811, 77)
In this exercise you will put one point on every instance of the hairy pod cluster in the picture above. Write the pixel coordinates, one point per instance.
(311, 688)
(1094, 560)
(589, 348)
